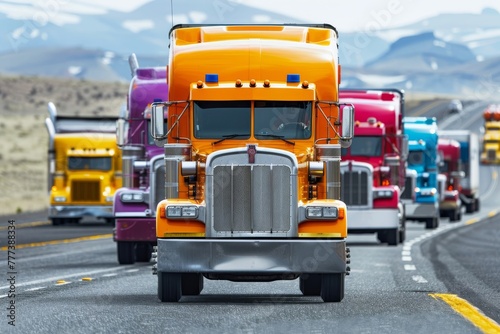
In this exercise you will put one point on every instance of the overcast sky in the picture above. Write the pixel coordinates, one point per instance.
(357, 14)
(347, 15)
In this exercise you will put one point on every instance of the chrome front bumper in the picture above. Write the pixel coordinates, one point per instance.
(251, 256)
(421, 210)
(375, 219)
(81, 211)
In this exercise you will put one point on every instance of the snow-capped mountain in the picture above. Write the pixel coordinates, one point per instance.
(91, 39)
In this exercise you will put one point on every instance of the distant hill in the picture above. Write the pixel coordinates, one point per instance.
(421, 53)
(447, 52)
(76, 62)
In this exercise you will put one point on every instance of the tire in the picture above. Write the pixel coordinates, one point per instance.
(382, 237)
(402, 232)
(455, 215)
(169, 287)
(192, 284)
(143, 252)
(469, 207)
(393, 237)
(332, 287)
(432, 223)
(58, 221)
(310, 284)
(126, 252)
(477, 205)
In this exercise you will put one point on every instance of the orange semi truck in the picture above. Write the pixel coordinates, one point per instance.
(252, 159)
(85, 167)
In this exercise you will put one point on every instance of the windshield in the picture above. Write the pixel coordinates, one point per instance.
(287, 119)
(216, 119)
(83, 163)
(443, 167)
(370, 146)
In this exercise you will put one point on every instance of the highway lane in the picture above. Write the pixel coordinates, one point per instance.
(78, 287)
(83, 291)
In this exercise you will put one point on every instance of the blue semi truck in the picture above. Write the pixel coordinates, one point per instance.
(421, 194)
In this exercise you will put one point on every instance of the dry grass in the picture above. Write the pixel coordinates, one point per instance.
(23, 152)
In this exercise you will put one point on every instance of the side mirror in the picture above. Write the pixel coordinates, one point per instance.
(404, 148)
(121, 132)
(157, 123)
(347, 126)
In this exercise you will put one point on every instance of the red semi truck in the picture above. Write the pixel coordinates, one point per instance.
(469, 161)
(450, 167)
(373, 169)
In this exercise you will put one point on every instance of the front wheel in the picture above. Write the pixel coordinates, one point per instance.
(332, 287)
(143, 252)
(58, 221)
(382, 236)
(192, 284)
(169, 287)
(477, 205)
(432, 223)
(393, 237)
(402, 231)
(126, 252)
(455, 215)
(310, 284)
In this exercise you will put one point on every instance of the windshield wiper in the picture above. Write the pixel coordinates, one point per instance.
(275, 136)
(234, 135)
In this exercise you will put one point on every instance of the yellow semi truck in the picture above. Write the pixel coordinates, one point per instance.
(491, 137)
(85, 167)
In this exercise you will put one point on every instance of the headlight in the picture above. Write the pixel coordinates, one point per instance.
(330, 212)
(177, 211)
(383, 194)
(322, 212)
(132, 197)
(59, 198)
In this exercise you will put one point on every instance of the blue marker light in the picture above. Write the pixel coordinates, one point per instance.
(292, 78)
(211, 78)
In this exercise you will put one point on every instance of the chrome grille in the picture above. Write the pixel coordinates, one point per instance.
(85, 191)
(492, 154)
(252, 198)
(356, 187)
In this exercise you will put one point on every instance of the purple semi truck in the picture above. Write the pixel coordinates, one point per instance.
(134, 204)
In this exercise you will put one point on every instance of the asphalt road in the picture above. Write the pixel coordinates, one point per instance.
(66, 279)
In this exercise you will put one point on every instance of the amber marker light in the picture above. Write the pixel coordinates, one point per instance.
(252, 83)
(267, 83)
(199, 84)
(238, 83)
(305, 84)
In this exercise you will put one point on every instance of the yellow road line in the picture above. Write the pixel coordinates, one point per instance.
(472, 221)
(469, 312)
(492, 213)
(63, 241)
(24, 225)
(428, 107)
